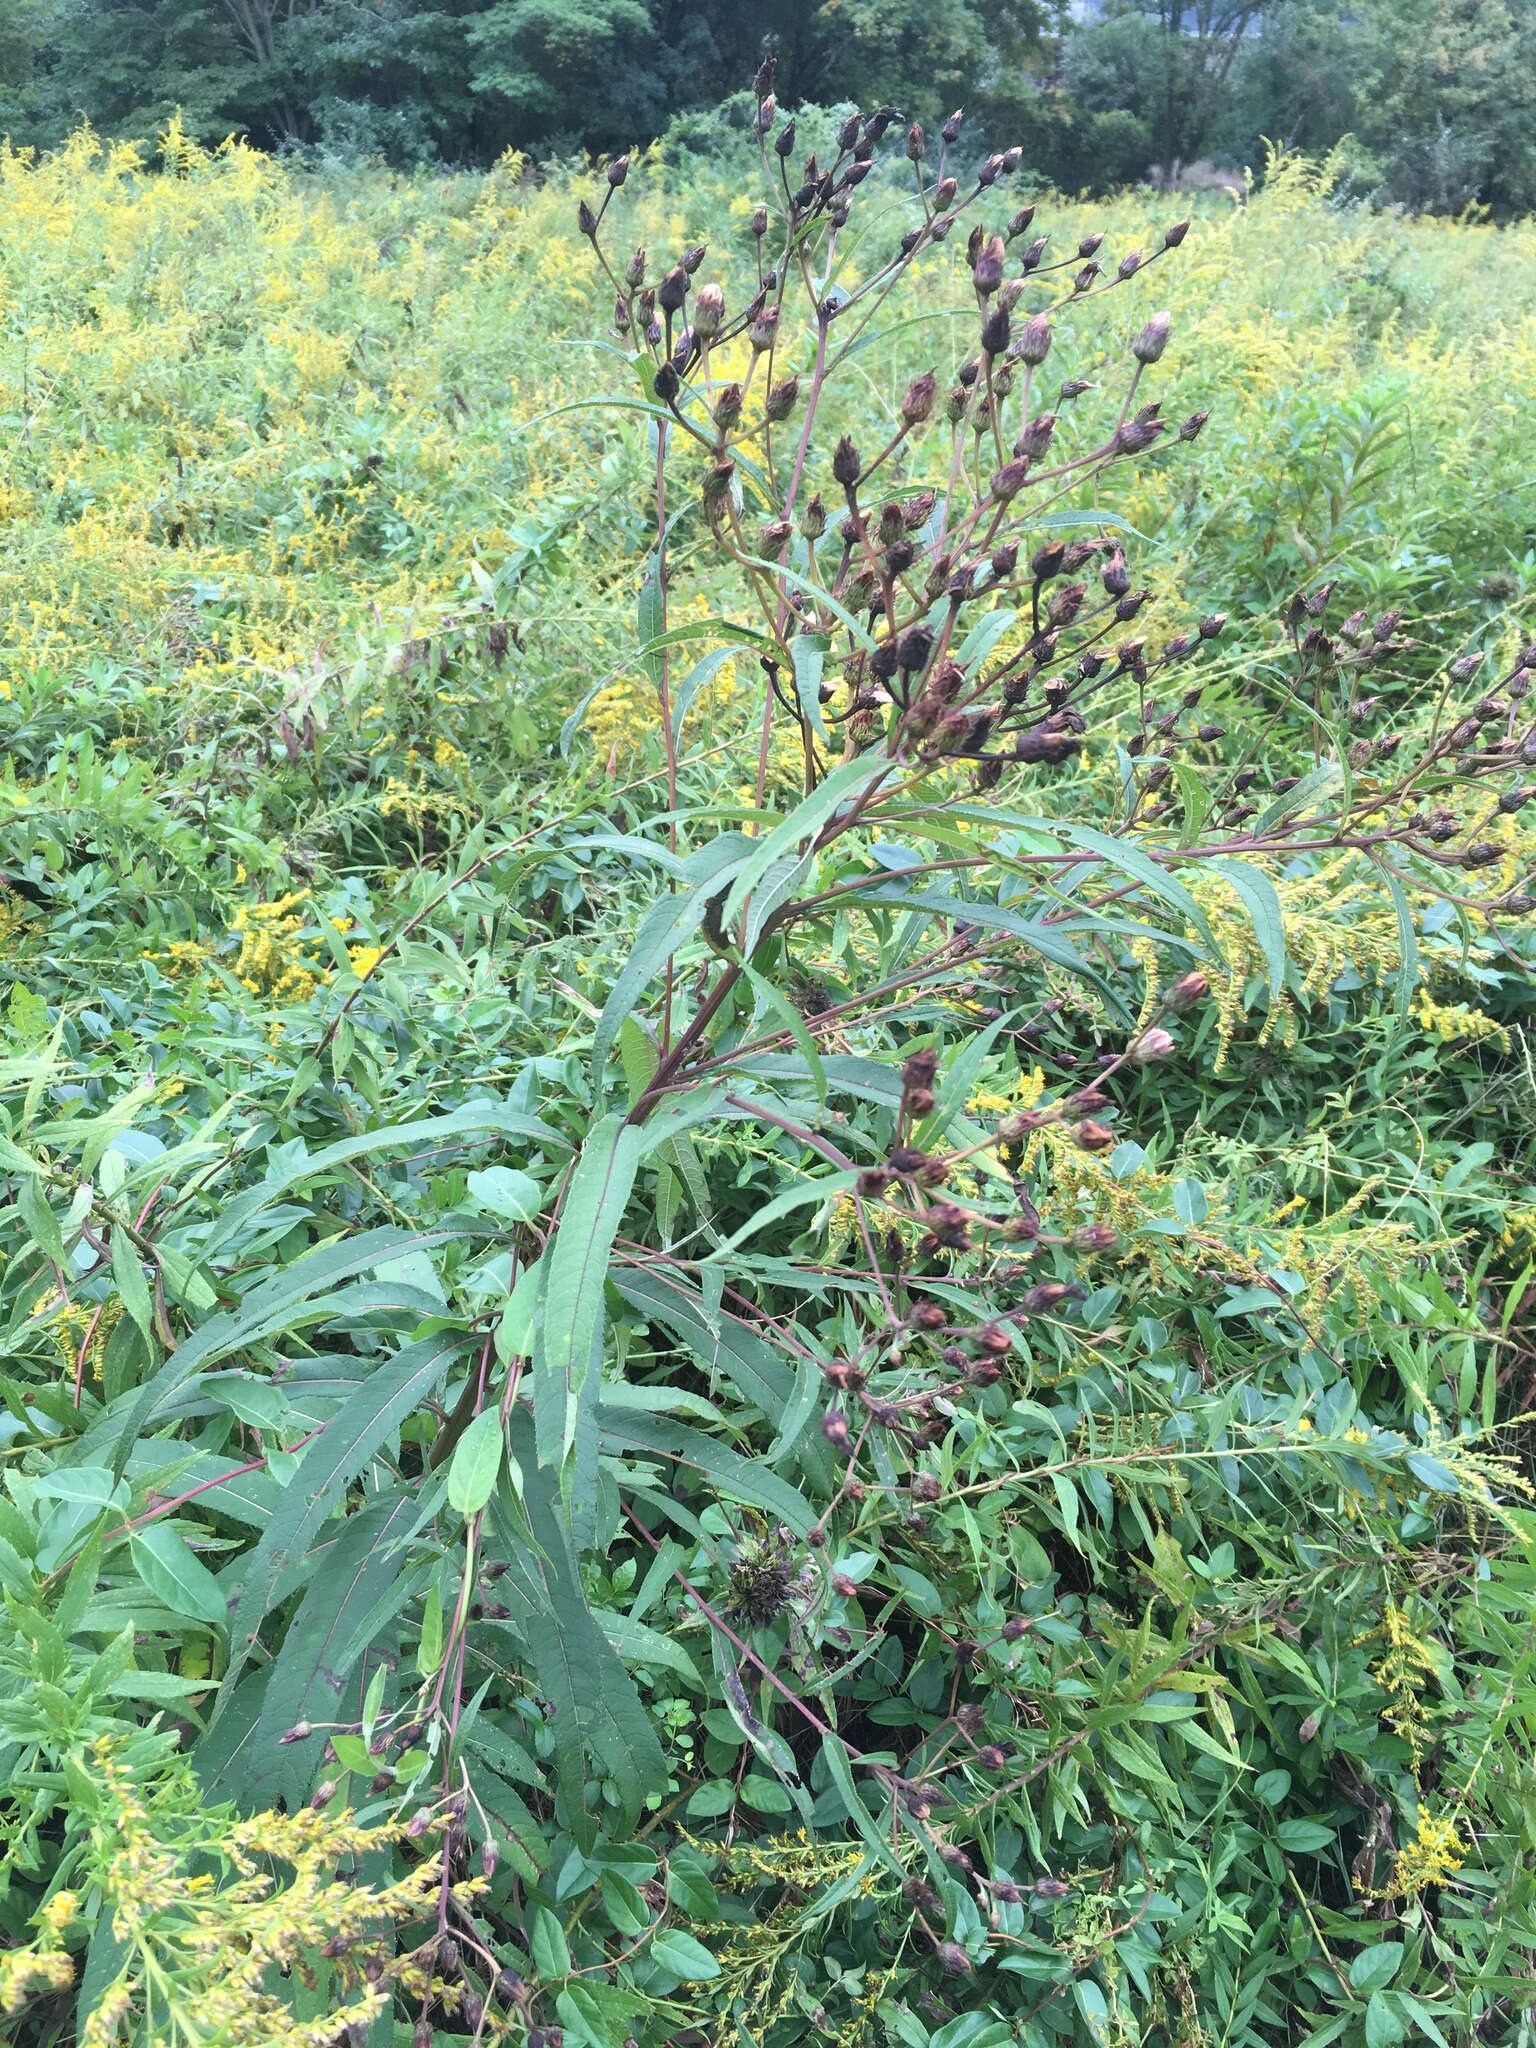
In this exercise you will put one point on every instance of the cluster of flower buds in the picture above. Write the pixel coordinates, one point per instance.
(907, 564)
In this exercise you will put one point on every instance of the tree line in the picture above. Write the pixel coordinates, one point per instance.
(1426, 96)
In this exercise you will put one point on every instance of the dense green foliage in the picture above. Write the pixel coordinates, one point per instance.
(476, 1352)
(1429, 94)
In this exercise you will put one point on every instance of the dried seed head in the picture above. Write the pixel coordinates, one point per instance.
(925, 1487)
(990, 1758)
(1014, 1629)
(1210, 628)
(951, 129)
(834, 1427)
(1516, 799)
(845, 463)
(673, 289)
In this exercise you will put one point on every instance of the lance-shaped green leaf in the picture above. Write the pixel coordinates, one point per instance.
(1261, 900)
(803, 822)
(346, 1445)
(668, 923)
(577, 1264)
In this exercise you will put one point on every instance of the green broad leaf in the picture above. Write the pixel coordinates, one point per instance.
(88, 1483)
(804, 822)
(742, 1479)
(426, 1134)
(1272, 1786)
(642, 1647)
(39, 1221)
(703, 672)
(1040, 938)
(577, 1268)
(1189, 1203)
(712, 1799)
(1432, 1473)
(1317, 784)
(721, 1344)
(835, 1755)
(1374, 1967)
(1261, 900)
(1384, 2028)
(429, 1651)
(475, 1463)
(158, 1688)
(133, 1288)
(687, 1958)
(546, 1943)
(344, 1448)
(1304, 1837)
(177, 1577)
(506, 1192)
(665, 927)
(264, 1311)
(1407, 939)
(810, 656)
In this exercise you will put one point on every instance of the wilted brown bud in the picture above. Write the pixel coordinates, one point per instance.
(954, 1959)
(1516, 799)
(1050, 1888)
(782, 399)
(925, 1487)
(1192, 427)
(673, 289)
(299, 1732)
(1210, 627)
(324, 1794)
(1135, 437)
(917, 148)
(1008, 481)
(845, 463)
(1094, 1137)
(586, 220)
(1036, 438)
(1309, 1728)
(1174, 235)
(1034, 343)
(764, 329)
(1093, 1237)
(813, 517)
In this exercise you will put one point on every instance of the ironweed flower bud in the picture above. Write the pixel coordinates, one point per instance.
(764, 329)
(1114, 575)
(1129, 265)
(1034, 343)
(324, 1794)
(618, 171)
(767, 113)
(1084, 279)
(717, 480)
(834, 1427)
(925, 1487)
(1211, 732)
(1210, 627)
(1482, 855)
(1188, 990)
(813, 517)
(1094, 1137)
(955, 405)
(668, 383)
(708, 312)
(994, 333)
(299, 1732)
(1034, 253)
(945, 194)
(917, 404)
(634, 270)
(845, 463)
(1516, 799)
(990, 171)
(917, 148)
(781, 400)
(1155, 1044)
(773, 536)
(1009, 480)
(1036, 437)
(1518, 905)
(1193, 426)
(1093, 1237)
(951, 129)
(1090, 245)
(1135, 437)
(987, 273)
(1174, 235)
(586, 220)
(955, 1961)
(673, 289)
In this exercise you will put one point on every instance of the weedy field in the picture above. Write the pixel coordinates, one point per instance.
(767, 1202)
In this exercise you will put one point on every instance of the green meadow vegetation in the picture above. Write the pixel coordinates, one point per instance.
(766, 1193)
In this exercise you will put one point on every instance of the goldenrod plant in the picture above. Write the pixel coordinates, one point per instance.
(766, 1125)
